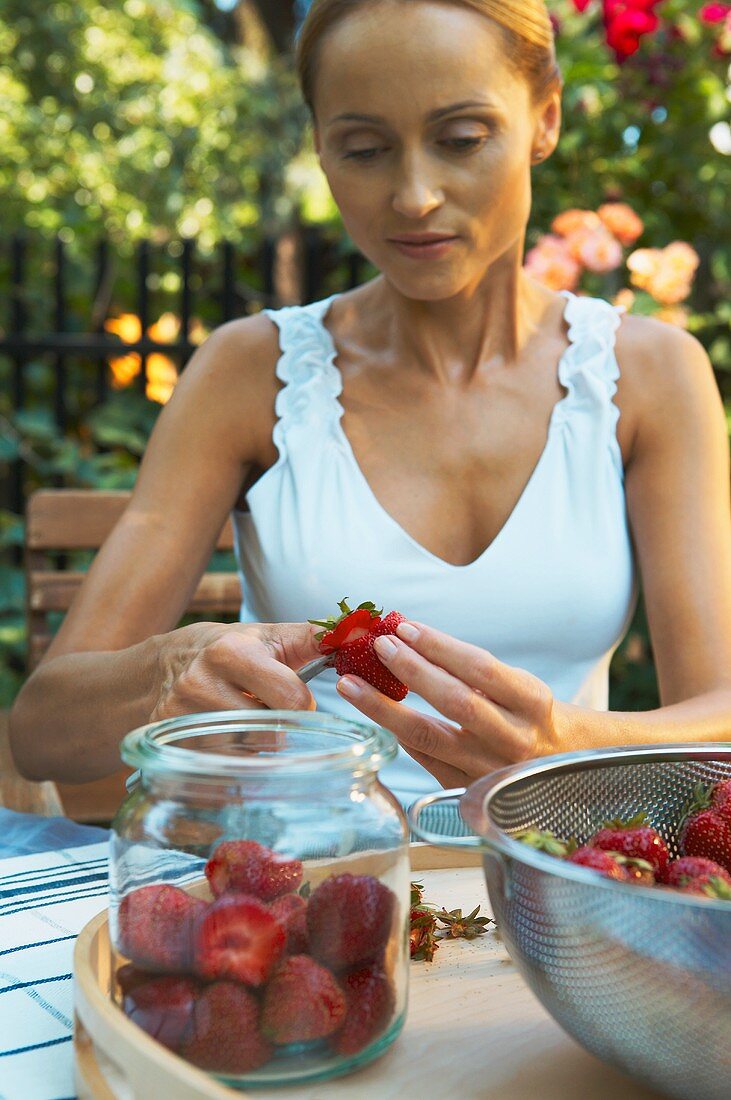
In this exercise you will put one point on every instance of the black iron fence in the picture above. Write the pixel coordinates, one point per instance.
(50, 319)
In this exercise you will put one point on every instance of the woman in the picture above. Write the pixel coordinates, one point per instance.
(488, 457)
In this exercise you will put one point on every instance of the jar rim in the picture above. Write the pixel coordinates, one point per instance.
(152, 748)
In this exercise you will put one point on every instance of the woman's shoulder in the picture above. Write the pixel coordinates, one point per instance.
(666, 377)
(246, 343)
(654, 355)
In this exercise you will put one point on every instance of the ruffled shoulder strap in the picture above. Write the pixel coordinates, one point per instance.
(312, 383)
(588, 368)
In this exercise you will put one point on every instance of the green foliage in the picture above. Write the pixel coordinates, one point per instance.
(134, 117)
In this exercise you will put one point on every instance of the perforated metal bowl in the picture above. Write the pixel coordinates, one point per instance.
(640, 976)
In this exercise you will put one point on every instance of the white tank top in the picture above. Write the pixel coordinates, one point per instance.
(553, 593)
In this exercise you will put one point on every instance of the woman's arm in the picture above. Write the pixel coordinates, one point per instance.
(116, 661)
(677, 484)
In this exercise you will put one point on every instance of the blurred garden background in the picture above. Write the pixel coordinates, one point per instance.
(157, 177)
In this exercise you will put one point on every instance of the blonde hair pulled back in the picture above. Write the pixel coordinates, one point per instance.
(525, 24)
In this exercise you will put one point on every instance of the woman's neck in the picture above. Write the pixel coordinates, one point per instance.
(452, 338)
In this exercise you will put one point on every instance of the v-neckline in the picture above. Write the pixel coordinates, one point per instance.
(554, 419)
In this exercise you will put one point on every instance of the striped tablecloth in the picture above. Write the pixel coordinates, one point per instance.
(46, 898)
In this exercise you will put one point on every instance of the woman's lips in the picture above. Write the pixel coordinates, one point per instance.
(431, 250)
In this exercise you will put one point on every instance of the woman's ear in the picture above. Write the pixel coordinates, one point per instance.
(548, 128)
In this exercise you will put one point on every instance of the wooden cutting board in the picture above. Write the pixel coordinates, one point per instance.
(474, 1031)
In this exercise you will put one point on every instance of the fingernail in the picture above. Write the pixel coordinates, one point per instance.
(408, 632)
(385, 647)
(348, 688)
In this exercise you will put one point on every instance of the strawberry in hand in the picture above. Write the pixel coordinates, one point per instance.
(350, 639)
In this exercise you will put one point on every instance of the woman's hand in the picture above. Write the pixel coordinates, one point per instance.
(211, 666)
(497, 714)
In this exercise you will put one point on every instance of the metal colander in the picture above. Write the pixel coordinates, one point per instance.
(638, 975)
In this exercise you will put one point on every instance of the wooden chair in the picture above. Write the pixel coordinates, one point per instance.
(59, 521)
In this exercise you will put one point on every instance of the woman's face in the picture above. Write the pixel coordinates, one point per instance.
(442, 143)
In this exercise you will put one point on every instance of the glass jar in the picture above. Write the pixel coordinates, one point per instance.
(260, 894)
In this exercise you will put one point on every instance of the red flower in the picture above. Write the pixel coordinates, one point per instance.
(627, 24)
(715, 13)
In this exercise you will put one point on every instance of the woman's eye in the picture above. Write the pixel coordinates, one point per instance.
(464, 144)
(361, 154)
(459, 145)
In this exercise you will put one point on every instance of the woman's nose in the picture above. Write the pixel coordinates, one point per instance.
(415, 193)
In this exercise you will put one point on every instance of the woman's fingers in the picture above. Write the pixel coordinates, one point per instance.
(251, 660)
(417, 732)
(511, 688)
(452, 695)
(294, 644)
(447, 775)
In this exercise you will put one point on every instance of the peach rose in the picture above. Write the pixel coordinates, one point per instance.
(624, 299)
(668, 287)
(551, 264)
(665, 273)
(642, 265)
(597, 250)
(573, 221)
(621, 220)
(682, 258)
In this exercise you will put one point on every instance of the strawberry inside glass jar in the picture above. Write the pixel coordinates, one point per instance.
(260, 884)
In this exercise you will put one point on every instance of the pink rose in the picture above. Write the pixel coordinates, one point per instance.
(551, 264)
(597, 250)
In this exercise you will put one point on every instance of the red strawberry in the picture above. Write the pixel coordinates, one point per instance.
(360, 659)
(606, 863)
(707, 834)
(695, 875)
(635, 838)
(225, 1035)
(370, 1001)
(388, 624)
(349, 919)
(239, 938)
(291, 912)
(129, 977)
(721, 797)
(163, 1007)
(303, 1001)
(247, 867)
(348, 627)
(156, 925)
(351, 640)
